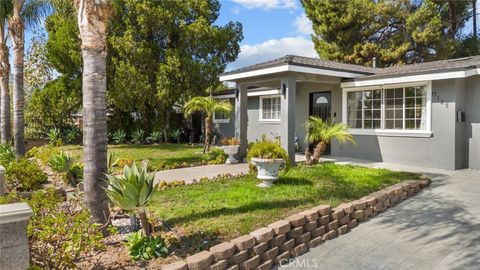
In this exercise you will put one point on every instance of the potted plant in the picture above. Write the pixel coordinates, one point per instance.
(230, 147)
(268, 157)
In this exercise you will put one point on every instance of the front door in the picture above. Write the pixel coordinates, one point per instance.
(320, 105)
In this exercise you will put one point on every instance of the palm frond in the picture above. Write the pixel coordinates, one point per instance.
(34, 11)
(324, 131)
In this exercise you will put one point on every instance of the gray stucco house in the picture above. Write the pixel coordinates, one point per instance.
(424, 114)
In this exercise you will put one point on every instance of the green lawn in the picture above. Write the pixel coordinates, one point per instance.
(159, 156)
(224, 209)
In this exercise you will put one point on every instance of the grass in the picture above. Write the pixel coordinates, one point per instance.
(223, 209)
(160, 156)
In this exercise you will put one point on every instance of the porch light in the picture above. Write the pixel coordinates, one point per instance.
(236, 93)
(284, 89)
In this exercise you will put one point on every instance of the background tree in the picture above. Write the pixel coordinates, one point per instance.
(5, 125)
(394, 32)
(209, 107)
(38, 70)
(93, 16)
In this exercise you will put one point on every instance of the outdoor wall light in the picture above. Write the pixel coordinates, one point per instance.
(236, 93)
(284, 89)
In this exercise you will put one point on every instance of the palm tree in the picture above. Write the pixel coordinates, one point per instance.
(322, 132)
(209, 106)
(93, 16)
(5, 128)
(23, 11)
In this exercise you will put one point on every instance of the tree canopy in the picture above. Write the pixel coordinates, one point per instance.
(395, 32)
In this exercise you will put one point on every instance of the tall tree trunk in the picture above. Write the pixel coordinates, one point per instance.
(92, 22)
(208, 132)
(16, 30)
(5, 129)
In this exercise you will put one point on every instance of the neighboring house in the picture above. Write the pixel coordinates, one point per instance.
(424, 114)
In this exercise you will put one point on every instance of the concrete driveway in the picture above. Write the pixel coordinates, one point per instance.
(439, 228)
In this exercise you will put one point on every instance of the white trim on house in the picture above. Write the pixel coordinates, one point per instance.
(391, 132)
(286, 68)
(260, 110)
(251, 94)
(412, 78)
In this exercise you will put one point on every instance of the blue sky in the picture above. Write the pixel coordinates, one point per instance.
(271, 29)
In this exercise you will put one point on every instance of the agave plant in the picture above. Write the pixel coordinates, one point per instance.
(72, 134)
(7, 154)
(132, 192)
(176, 134)
(54, 136)
(137, 136)
(63, 163)
(155, 137)
(119, 136)
(112, 162)
(146, 248)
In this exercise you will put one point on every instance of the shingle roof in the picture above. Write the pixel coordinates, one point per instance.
(458, 63)
(306, 61)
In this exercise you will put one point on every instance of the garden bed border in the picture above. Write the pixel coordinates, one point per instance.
(298, 233)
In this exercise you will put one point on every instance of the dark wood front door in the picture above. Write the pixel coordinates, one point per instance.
(321, 106)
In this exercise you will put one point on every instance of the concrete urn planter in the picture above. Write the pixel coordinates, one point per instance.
(231, 151)
(267, 170)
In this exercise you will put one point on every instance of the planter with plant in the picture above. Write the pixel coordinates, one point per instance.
(230, 146)
(268, 157)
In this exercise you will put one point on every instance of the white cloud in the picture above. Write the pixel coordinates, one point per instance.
(266, 4)
(235, 10)
(303, 25)
(271, 49)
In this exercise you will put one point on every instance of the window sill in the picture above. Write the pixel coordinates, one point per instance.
(269, 121)
(221, 121)
(392, 133)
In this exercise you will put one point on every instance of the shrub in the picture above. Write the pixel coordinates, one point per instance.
(132, 192)
(7, 154)
(24, 174)
(119, 137)
(155, 137)
(43, 153)
(176, 135)
(268, 150)
(72, 134)
(55, 136)
(142, 247)
(59, 233)
(137, 136)
(122, 162)
(63, 163)
(230, 141)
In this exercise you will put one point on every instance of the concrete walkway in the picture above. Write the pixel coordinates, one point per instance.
(439, 228)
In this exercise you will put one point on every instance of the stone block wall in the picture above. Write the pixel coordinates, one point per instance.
(296, 234)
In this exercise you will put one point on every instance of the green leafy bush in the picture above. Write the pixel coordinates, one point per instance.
(155, 137)
(43, 153)
(132, 192)
(119, 137)
(268, 150)
(72, 134)
(59, 232)
(142, 247)
(25, 174)
(7, 154)
(137, 136)
(63, 163)
(176, 135)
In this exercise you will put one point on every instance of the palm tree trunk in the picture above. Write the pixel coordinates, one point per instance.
(5, 131)
(92, 22)
(318, 151)
(16, 30)
(208, 131)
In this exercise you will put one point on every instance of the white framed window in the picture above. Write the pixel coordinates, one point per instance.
(270, 108)
(221, 117)
(397, 110)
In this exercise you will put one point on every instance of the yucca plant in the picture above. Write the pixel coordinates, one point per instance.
(72, 134)
(63, 163)
(322, 132)
(132, 192)
(119, 137)
(7, 154)
(54, 136)
(155, 137)
(137, 136)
